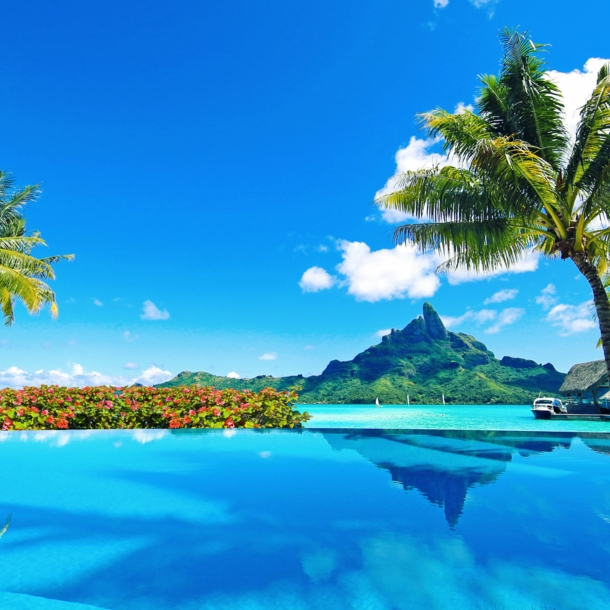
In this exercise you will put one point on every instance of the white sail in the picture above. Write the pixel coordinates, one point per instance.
(377, 402)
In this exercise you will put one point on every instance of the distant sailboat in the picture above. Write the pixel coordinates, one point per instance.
(377, 404)
(443, 399)
(408, 403)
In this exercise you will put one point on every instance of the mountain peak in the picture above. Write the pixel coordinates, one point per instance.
(434, 325)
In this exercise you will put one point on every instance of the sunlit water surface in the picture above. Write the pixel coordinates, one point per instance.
(289, 520)
(456, 417)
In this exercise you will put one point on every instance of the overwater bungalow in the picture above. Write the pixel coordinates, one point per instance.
(583, 385)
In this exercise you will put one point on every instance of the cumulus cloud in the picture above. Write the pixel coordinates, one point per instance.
(506, 317)
(14, 377)
(387, 274)
(501, 296)
(269, 356)
(153, 375)
(418, 154)
(547, 297)
(152, 312)
(403, 272)
(98, 302)
(129, 337)
(233, 375)
(316, 279)
(131, 366)
(571, 319)
(576, 86)
(440, 3)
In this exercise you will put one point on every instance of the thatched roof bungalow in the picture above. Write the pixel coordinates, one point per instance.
(584, 379)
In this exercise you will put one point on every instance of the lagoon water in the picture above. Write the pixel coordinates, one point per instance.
(431, 417)
(305, 520)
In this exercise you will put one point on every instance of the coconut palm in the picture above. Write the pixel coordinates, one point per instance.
(517, 181)
(22, 276)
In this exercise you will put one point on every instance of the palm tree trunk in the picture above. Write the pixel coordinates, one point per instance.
(600, 299)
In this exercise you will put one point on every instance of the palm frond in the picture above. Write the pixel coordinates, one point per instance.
(533, 103)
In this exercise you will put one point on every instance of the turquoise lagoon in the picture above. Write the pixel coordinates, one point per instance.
(432, 417)
(299, 520)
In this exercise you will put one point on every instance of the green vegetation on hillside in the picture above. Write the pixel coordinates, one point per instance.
(422, 361)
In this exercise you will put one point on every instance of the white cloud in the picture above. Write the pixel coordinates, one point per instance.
(576, 86)
(547, 297)
(131, 366)
(398, 273)
(269, 356)
(503, 318)
(501, 296)
(478, 317)
(506, 317)
(572, 319)
(413, 157)
(98, 302)
(440, 3)
(316, 279)
(129, 337)
(308, 347)
(153, 375)
(233, 375)
(383, 332)
(152, 312)
(403, 272)
(14, 377)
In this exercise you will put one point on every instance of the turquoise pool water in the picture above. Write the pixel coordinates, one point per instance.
(300, 520)
(457, 417)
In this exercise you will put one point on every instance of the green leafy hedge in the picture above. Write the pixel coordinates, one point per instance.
(104, 407)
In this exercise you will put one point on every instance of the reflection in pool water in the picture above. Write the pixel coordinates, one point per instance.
(305, 519)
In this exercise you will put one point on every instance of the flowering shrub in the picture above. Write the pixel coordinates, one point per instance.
(54, 407)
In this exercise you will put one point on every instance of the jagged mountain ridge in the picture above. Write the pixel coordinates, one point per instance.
(422, 361)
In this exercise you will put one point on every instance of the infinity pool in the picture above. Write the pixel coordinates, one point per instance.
(299, 520)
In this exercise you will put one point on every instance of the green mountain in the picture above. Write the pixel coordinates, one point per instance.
(422, 361)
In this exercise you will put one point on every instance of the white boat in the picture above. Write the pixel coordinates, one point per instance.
(377, 403)
(544, 407)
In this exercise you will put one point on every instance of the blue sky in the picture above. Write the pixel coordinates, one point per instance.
(199, 158)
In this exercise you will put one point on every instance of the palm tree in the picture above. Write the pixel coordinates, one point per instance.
(22, 276)
(518, 182)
